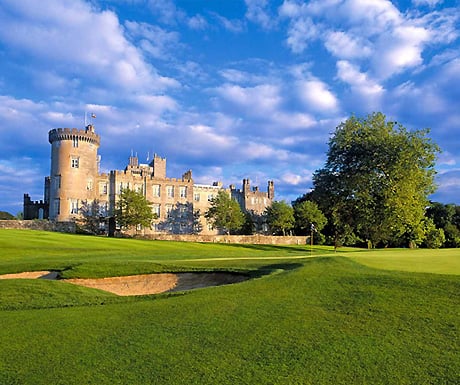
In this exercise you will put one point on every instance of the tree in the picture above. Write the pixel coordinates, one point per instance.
(445, 217)
(434, 237)
(306, 214)
(280, 217)
(91, 217)
(376, 180)
(6, 215)
(225, 213)
(133, 210)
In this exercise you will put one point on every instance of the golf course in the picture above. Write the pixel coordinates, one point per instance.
(295, 314)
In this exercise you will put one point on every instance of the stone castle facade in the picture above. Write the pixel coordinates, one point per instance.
(179, 203)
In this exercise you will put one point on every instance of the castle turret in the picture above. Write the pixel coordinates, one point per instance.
(271, 190)
(159, 166)
(74, 170)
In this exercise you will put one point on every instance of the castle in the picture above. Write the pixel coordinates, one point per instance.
(179, 203)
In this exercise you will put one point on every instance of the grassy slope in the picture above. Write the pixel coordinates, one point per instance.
(326, 320)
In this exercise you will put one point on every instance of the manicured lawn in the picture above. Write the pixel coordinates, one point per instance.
(330, 319)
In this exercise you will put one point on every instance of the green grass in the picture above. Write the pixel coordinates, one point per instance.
(331, 319)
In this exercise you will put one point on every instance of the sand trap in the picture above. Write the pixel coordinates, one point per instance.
(130, 285)
(32, 275)
(142, 284)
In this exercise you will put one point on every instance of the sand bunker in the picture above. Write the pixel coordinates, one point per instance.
(130, 285)
(142, 284)
(32, 275)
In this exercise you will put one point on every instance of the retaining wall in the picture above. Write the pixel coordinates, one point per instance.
(38, 224)
(257, 239)
(243, 239)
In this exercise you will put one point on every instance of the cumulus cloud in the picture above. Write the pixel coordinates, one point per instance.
(301, 32)
(81, 40)
(256, 101)
(231, 25)
(345, 46)
(448, 186)
(400, 49)
(152, 39)
(367, 90)
(430, 3)
(257, 12)
(317, 95)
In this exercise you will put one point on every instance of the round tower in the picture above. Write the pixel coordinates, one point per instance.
(74, 170)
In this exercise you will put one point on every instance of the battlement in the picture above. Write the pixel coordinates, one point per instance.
(86, 135)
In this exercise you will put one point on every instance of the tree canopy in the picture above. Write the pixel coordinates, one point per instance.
(225, 213)
(375, 184)
(306, 214)
(91, 217)
(280, 217)
(133, 209)
(6, 215)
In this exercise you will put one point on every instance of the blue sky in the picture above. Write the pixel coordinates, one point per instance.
(231, 89)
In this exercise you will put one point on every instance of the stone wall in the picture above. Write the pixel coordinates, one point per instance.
(36, 224)
(69, 227)
(242, 239)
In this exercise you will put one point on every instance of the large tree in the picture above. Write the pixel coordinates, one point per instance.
(376, 180)
(133, 209)
(307, 215)
(280, 217)
(92, 216)
(225, 213)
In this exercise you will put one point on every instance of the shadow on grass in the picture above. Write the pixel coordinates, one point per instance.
(272, 268)
(287, 248)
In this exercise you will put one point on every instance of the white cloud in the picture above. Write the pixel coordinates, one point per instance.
(257, 12)
(166, 11)
(81, 41)
(152, 39)
(400, 49)
(257, 101)
(292, 179)
(345, 46)
(300, 33)
(358, 80)
(367, 90)
(317, 95)
(234, 25)
(372, 16)
(430, 3)
(197, 22)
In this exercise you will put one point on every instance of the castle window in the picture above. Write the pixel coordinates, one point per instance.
(74, 206)
(75, 162)
(156, 210)
(139, 188)
(183, 192)
(57, 206)
(103, 188)
(156, 190)
(89, 185)
(210, 197)
(170, 191)
(57, 182)
(168, 210)
(196, 197)
(75, 141)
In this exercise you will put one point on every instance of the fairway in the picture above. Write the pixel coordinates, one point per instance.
(303, 317)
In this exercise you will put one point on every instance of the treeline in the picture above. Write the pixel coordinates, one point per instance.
(373, 190)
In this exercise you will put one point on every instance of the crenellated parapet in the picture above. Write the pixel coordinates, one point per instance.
(86, 135)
